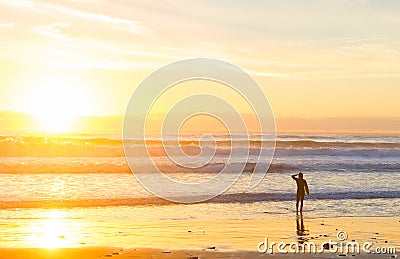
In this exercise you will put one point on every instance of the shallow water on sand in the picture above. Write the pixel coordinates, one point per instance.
(93, 199)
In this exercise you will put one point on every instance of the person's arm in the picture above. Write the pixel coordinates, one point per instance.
(306, 187)
(294, 176)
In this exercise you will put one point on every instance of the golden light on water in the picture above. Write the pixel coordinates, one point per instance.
(52, 231)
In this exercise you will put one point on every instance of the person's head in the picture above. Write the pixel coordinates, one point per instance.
(301, 175)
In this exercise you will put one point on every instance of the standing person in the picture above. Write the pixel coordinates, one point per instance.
(302, 188)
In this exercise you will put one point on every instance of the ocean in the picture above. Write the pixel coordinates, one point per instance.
(85, 180)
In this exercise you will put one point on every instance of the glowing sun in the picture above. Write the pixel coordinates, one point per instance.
(57, 103)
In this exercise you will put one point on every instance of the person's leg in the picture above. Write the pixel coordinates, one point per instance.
(301, 202)
(297, 202)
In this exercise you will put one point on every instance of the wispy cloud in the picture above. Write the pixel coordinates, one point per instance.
(340, 40)
(54, 31)
(18, 3)
(266, 74)
(128, 24)
(102, 64)
(6, 26)
(124, 24)
(139, 53)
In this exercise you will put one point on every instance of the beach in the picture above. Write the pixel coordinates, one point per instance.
(89, 204)
(197, 129)
(231, 239)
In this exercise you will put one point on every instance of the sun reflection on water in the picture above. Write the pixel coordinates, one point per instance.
(53, 229)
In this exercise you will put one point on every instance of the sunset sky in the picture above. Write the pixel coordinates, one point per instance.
(313, 58)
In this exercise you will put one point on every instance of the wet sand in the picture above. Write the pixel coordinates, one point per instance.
(104, 252)
(234, 239)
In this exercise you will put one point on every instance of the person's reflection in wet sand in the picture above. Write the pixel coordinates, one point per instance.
(302, 233)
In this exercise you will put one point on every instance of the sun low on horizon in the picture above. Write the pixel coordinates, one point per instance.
(60, 61)
(57, 102)
(199, 129)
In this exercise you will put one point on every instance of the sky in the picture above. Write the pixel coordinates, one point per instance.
(313, 59)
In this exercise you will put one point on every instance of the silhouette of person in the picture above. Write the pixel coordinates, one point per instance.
(301, 232)
(302, 188)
